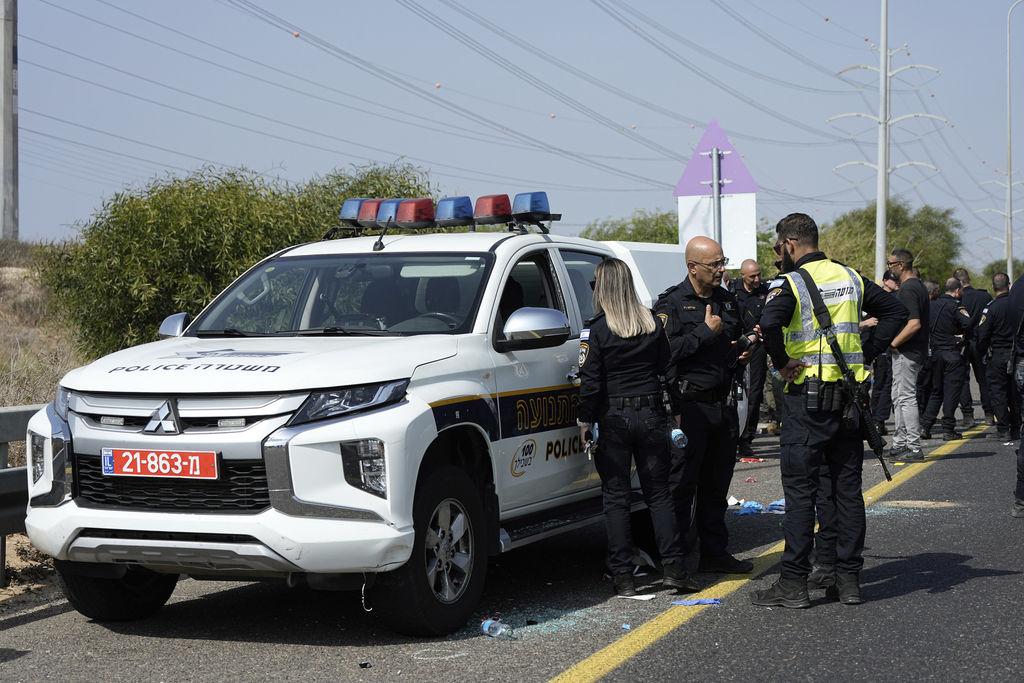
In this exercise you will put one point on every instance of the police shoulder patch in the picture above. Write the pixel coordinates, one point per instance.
(584, 352)
(772, 294)
(663, 317)
(963, 312)
(983, 317)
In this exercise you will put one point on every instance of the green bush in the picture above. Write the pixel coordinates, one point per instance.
(174, 244)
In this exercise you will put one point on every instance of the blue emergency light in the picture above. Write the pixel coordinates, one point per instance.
(387, 211)
(533, 207)
(349, 214)
(454, 211)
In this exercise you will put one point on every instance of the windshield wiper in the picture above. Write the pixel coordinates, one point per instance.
(337, 332)
(226, 332)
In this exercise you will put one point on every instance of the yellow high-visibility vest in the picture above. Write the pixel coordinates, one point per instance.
(842, 290)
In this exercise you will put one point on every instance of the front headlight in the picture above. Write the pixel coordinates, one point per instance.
(322, 405)
(61, 402)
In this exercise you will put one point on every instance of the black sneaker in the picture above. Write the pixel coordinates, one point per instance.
(790, 593)
(675, 576)
(990, 419)
(896, 454)
(952, 436)
(926, 434)
(1018, 509)
(1014, 434)
(846, 589)
(724, 564)
(822, 576)
(624, 585)
(744, 450)
(913, 455)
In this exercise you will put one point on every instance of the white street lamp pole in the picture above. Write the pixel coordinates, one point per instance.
(882, 193)
(1009, 151)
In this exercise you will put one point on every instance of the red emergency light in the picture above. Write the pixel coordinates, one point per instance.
(493, 208)
(367, 217)
(415, 213)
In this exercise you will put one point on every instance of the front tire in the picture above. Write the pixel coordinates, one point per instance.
(138, 594)
(436, 591)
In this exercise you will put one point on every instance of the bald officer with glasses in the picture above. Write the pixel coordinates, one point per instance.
(704, 327)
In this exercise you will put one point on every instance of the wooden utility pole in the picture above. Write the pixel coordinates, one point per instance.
(9, 120)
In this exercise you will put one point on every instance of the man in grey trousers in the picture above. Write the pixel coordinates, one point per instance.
(909, 354)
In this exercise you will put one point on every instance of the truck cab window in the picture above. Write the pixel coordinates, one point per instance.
(581, 267)
(530, 284)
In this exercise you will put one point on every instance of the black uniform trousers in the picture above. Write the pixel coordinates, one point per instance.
(639, 435)
(1002, 391)
(974, 360)
(924, 386)
(757, 371)
(821, 466)
(881, 388)
(702, 472)
(947, 383)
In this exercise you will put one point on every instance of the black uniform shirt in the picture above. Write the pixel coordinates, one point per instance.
(613, 366)
(781, 304)
(996, 327)
(948, 320)
(975, 300)
(704, 359)
(751, 303)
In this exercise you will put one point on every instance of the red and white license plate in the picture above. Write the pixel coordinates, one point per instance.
(123, 462)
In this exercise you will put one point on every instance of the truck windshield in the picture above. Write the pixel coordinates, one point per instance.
(351, 294)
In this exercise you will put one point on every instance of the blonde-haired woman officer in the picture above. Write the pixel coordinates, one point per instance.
(622, 354)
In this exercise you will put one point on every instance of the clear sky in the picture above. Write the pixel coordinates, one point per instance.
(600, 111)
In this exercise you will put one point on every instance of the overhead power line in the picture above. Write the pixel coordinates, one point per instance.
(721, 85)
(271, 19)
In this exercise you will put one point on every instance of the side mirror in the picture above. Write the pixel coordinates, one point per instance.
(173, 325)
(533, 328)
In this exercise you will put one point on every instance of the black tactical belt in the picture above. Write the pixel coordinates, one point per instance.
(705, 395)
(649, 400)
(798, 389)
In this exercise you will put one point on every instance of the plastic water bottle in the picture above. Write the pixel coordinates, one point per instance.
(496, 629)
(679, 439)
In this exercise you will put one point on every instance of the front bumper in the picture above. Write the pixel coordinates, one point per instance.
(278, 543)
(315, 522)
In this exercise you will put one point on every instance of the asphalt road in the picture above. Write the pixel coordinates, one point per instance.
(942, 581)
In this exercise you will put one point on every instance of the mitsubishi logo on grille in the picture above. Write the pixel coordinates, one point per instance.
(161, 420)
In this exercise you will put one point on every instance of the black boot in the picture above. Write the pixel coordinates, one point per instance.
(783, 593)
(624, 585)
(846, 590)
(1017, 512)
(822, 576)
(675, 576)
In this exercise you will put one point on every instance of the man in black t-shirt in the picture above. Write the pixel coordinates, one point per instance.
(909, 353)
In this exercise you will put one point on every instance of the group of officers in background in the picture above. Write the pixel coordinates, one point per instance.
(821, 328)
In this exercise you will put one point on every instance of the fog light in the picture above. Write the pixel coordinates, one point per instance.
(37, 447)
(364, 465)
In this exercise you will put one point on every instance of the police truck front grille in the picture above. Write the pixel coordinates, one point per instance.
(242, 488)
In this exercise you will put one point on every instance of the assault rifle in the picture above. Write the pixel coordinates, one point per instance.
(856, 392)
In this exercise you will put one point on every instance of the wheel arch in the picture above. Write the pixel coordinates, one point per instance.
(467, 447)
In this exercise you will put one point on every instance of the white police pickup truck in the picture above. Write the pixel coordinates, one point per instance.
(381, 412)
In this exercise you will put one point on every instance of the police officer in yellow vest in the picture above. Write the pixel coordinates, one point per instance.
(822, 450)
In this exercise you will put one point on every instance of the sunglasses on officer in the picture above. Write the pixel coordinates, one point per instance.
(720, 264)
(777, 247)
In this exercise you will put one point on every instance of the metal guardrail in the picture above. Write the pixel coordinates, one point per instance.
(13, 480)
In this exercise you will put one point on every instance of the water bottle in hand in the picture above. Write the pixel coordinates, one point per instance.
(679, 439)
(496, 629)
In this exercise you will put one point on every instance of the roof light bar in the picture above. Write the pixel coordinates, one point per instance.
(367, 217)
(349, 213)
(454, 211)
(415, 213)
(492, 209)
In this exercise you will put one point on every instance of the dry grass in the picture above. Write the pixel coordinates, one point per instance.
(35, 350)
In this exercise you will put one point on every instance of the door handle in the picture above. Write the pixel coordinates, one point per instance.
(574, 377)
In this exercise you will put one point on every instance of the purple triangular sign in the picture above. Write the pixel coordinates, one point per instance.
(696, 178)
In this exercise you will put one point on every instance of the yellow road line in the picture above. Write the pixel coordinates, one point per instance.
(611, 657)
